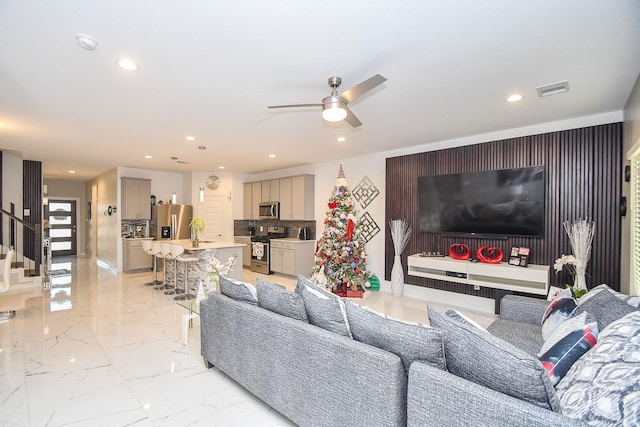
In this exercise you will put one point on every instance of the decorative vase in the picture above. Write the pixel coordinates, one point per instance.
(580, 282)
(195, 242)
(397, 277)
(201, 294)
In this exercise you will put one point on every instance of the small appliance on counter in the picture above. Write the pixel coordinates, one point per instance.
(304, 233)
(251, 230)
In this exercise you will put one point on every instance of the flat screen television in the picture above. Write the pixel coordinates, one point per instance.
(492, 203)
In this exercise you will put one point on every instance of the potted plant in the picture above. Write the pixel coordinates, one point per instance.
(197, 225)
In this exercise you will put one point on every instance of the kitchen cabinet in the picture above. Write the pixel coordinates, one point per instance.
(271, 190)
(292, 256)
(246, 203)
(251, 200)
(297, 197)
(246, 250)
(134, 257)
(136, 198)
(295, 194)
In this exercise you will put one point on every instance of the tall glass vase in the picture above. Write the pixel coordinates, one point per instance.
(397, 277)
(580, 282)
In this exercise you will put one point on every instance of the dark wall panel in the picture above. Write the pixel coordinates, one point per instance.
(584, 178)
(32, 200)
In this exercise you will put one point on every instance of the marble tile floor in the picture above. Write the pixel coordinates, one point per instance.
(102, 349)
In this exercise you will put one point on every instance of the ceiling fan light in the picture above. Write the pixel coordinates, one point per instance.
(333, 109)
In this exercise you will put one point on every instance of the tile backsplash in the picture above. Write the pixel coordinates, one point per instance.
(241, 227)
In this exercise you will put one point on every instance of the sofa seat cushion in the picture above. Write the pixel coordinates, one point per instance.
(524, 336)
(478, 356)
(602, 388)
(408, 340)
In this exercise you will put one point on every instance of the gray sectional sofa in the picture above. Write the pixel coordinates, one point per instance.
(312, 376)
(500, 385)
(322, 361)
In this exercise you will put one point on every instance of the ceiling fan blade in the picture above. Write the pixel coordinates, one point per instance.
(294, 105)
(361, 88)
(352, 119)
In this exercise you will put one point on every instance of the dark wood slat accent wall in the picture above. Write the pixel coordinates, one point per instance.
(32, 200)
(584, 179)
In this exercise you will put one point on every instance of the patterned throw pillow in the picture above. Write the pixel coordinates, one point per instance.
(559, 310)
(602, 388)
(278, 299)
(480, 357)
(566, 345)
(324, 309)
(238, 291)
(408, 340)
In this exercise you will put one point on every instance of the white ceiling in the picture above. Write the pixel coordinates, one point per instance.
(209, 69)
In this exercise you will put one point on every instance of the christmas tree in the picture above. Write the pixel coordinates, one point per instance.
(340, 262)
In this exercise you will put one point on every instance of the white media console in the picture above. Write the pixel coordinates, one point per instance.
(533, 279)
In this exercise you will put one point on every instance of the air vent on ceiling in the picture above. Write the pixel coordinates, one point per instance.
(553, 88)
(182, 162)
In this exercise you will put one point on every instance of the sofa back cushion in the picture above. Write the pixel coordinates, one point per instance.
(238, 290)
(324, 309)
(279, 300)
(602, 388)
(605, 307)
(410, 341)
(478, 356)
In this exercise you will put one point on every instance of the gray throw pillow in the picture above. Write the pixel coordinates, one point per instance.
(324, 309)
(478, 356)
(238, 291)
(408, 340)
(605, 307)
(278, 299)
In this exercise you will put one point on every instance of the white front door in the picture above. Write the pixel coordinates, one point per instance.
(212, 215)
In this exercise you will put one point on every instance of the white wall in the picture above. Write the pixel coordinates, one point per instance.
(12, 192)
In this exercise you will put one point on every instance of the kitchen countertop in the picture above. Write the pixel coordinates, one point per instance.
(138, 238)
(186, 244)
(293, 240)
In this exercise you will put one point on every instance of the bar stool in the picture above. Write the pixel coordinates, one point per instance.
(166, 253)
(156, 247)
(174, 251)
(186, 259)
(147, 246)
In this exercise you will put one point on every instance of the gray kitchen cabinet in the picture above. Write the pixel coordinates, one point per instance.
(246, 250)
(136, 198)
(134, 257)
(292, 256)
(246, 203)
(297, 197)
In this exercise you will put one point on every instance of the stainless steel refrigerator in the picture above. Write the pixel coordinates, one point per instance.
(171, 221)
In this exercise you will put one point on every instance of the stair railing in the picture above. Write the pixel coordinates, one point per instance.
(31, 232)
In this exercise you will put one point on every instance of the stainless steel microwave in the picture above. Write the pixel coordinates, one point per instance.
(269, 210)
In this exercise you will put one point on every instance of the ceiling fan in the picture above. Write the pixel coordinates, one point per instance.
(334, 106)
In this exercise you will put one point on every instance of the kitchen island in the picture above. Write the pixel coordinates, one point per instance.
(205, 252)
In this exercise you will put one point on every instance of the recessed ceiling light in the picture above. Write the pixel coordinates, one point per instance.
(127, 64)
(341, 139)
(190, 138)
(148, 157)
(72, 171)
(220, 167)
(514, 98)
(272, 155)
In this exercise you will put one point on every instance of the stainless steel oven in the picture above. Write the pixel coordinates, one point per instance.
(261, 249)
